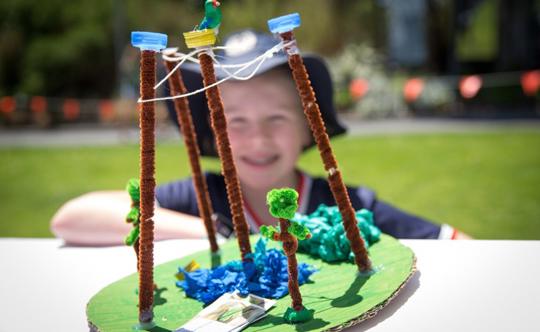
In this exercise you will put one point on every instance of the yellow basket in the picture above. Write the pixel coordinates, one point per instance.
(200, 38)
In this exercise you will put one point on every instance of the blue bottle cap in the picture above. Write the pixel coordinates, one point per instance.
(148, 41)
(284, 23)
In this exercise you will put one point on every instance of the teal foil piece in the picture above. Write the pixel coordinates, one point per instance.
(328, 239)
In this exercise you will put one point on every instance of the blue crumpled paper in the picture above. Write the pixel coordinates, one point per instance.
(328, 239)
(266, 276)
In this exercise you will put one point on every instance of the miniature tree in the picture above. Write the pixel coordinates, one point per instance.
(132, 239)
(282, 204)
(283, 26)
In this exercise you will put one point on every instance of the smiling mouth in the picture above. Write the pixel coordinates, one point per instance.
(260, 162)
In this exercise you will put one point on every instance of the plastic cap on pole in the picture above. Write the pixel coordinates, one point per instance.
(148, 41)
(284, 23)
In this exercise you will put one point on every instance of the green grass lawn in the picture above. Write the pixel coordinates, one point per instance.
(486, 184)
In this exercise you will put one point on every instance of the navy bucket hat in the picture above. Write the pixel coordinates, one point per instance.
(242, 47)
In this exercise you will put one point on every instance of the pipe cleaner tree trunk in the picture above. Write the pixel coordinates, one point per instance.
(283, 204)
(147, 184)
(185, 121)
(228, 168)
(316, 123)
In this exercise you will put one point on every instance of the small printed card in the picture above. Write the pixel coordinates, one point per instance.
(229, 313)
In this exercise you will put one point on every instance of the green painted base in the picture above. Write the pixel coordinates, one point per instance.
(338, 295)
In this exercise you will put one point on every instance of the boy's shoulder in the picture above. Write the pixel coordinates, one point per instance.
(320, 193)
(180, 195)
(388, 218)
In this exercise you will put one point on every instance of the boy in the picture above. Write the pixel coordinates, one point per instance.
(268, 133)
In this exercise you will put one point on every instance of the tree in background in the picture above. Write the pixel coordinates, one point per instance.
(56, 48)
(73, 49)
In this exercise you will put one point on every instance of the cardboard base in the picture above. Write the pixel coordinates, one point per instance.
(338, 295)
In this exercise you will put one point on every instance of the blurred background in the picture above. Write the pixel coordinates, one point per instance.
(441, 98)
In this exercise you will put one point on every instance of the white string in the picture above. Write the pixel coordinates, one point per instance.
(178, 57)
(261, 58)
(175, 68)
(206, 87)
(243, 78)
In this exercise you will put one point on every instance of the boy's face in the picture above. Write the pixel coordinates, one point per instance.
(267, 128)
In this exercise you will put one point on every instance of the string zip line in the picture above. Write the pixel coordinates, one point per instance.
(241, 67)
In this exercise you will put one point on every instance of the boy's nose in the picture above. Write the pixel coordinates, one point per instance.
(260, 135)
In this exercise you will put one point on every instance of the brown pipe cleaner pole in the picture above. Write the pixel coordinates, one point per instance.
(290, 245)
(313, 114)
(228, 168)
(147, 187)
(183, 114)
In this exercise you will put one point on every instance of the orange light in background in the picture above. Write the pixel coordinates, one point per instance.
(530, 82)
(7, 105)
(413, 89)
(358, 88)
(106, 110)
(71, 109)
(469, 86)
(38, 104)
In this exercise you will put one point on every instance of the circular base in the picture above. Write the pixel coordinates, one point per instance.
(339, 296)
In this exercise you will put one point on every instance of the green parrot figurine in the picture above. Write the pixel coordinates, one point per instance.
(212, 15)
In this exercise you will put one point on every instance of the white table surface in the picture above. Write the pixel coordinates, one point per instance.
(459, 286)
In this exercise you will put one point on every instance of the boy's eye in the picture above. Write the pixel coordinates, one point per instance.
(277, 118)
(237, 121)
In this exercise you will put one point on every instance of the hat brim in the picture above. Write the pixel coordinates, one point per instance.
(320, 81)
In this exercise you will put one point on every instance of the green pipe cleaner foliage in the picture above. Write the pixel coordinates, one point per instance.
(133, 216)
(134, 190)
(301, 232)
(269, 232)
(282, 203)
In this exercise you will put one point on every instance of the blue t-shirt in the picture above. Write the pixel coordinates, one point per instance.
(180, 196)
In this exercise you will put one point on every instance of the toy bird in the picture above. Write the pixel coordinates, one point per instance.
(212, 16)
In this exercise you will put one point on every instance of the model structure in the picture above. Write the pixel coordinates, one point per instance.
(338, 296)
(282, 204)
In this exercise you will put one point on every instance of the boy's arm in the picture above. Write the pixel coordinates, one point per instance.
(462, 236)
(98, 218)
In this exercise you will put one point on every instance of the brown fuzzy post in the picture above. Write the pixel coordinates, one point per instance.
(183, 114)
(290, 245)
(228, 168)
(147, 187)
(313, 115)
